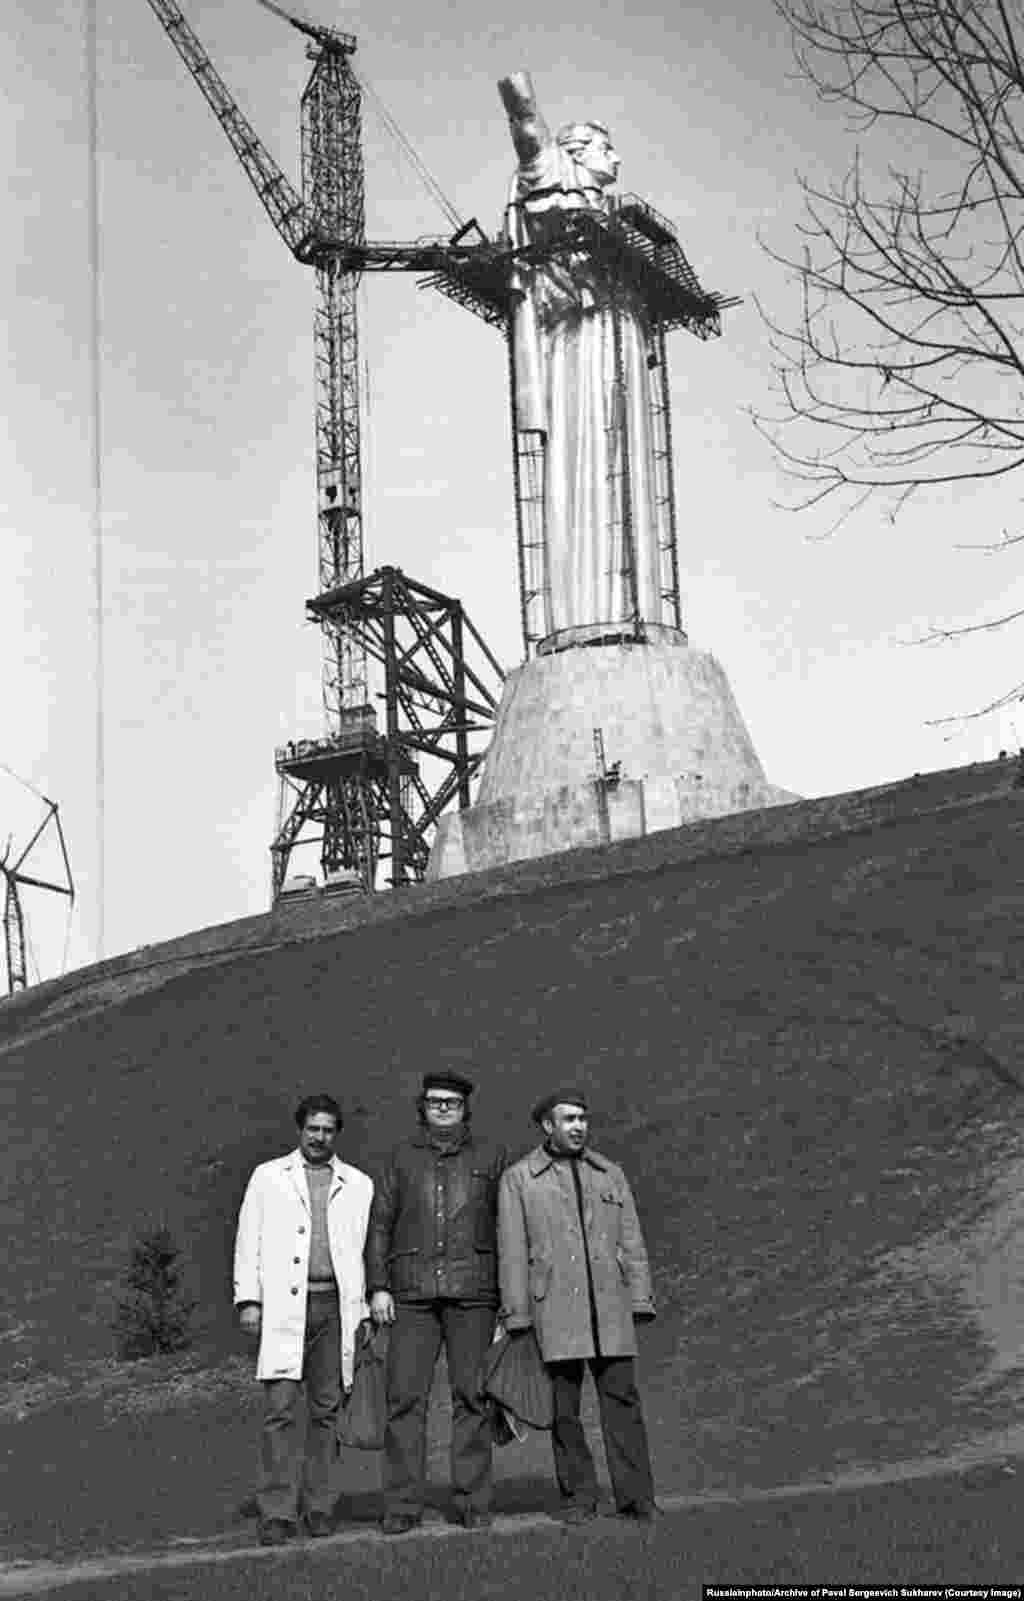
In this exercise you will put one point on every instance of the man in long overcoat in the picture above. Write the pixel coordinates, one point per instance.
(299, 1287)
(431, 1273)
(574, 1268)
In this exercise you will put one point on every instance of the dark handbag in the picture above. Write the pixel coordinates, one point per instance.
(365, 1412)
(504, 1427)
(513, 1375)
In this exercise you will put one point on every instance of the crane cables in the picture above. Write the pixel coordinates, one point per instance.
(423, 172)
(25, 783)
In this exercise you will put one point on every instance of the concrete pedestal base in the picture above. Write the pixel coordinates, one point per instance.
(667, 717)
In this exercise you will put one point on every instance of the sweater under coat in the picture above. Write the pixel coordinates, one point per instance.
(272, 1258)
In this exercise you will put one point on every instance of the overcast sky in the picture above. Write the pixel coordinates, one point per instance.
(210, 531)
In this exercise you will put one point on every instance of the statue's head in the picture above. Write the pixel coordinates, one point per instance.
(590, 144)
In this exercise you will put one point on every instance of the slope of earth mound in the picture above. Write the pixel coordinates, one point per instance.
(802, 1043)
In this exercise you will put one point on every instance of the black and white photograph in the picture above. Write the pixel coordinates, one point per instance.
(512, 800)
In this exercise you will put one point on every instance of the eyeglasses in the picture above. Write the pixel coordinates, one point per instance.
(444, 1103)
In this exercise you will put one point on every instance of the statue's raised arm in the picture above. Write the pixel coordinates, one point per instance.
(530, 133)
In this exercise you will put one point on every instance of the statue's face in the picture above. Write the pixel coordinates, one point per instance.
(600, 158)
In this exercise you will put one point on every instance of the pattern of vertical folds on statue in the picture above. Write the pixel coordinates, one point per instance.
(564, 347)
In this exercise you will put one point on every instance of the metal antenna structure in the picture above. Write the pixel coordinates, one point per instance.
(16, 880)
(346, 785)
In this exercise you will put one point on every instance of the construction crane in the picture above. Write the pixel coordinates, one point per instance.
(16, 880)
(324, 229)
(338, 784)
(321, 229)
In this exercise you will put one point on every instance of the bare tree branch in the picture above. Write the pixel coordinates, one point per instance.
(908, 349)
(903, 366)
(993, 546)
(935, 635)
(1007, 699)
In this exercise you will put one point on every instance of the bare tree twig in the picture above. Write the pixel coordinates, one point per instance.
(902, 367)
(909, 343)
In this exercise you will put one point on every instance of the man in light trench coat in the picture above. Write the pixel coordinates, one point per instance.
(573, 1266)
(299, 1287)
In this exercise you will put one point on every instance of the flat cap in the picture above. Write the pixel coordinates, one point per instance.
(561, 1097)
(445, 1080)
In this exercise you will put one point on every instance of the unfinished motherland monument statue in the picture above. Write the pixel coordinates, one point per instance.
(582, 345)
(614, 726)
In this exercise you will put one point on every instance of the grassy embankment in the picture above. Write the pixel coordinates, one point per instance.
(804, 1055)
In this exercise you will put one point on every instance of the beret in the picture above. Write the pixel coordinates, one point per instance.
(444, 1080)
(561, 1097)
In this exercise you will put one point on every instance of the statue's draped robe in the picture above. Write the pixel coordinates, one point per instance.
(565, 377)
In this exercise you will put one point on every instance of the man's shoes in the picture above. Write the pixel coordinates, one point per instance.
(474, 1518)
(577, 1512)
(275, 1531)
(319, 1524)
(640, 1511)
(398, 1522)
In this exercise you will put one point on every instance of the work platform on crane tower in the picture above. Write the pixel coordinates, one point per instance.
(356, 747)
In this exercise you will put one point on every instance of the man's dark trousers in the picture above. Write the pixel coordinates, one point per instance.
(282, 1466)
(413, 1349)
(622, 1425)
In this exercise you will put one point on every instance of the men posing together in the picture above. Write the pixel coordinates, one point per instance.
(451, 1245)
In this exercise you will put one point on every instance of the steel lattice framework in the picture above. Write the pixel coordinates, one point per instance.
(441, 688)
(332, 186)
(16, 880)
(352, 802)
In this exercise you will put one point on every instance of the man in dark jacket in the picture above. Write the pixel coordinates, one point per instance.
(431, 1273)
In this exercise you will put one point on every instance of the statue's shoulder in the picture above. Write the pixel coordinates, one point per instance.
(548, 169)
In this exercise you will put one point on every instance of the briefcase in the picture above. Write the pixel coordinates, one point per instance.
(513, 1374)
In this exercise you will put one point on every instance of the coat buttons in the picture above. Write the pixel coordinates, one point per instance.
(295, 1289)
(302, 1228)
(296, 1261)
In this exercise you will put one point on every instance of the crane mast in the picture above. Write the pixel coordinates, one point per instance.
(332, 185)
(323, 229)
(318, 229)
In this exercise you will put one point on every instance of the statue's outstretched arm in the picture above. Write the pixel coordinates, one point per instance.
(530, 133)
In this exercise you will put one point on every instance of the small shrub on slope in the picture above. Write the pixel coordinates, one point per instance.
(153, 1315)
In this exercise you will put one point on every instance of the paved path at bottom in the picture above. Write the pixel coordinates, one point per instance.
(996, 1454)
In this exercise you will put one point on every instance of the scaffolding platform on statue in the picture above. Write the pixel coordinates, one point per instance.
(634, 253)
(631, 238)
